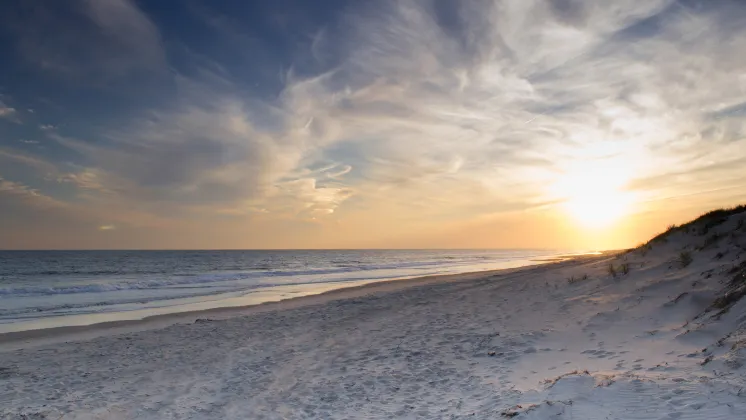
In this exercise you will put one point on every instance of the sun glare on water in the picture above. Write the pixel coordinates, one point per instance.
(593, 196)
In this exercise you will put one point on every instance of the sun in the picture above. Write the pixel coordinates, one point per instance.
(598, 210)
(593, 194)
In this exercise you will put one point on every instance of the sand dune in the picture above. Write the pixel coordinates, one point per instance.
(663, 337)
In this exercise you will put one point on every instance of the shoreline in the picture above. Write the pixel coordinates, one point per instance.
(15, 340)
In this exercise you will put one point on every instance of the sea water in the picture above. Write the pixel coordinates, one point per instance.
(41, 289)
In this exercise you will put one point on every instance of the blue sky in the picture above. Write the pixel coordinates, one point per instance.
(432, 123)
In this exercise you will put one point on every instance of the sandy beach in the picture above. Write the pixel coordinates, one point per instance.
(657, 332)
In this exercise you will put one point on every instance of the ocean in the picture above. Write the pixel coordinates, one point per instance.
(43, 289)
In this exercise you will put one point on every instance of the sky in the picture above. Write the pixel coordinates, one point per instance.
(228, 124)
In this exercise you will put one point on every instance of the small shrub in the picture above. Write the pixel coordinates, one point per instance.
(611, 270)
(624, 268)
(663, 237)
(574, 279)
(645, 248)
(740, 224)
(712, 223)
(736, 289)
(711, 240)
(741, 267)
(685, 258)
(729, 298)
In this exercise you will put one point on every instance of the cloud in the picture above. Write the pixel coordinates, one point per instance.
(32, 219)
(41, 166)
(87, 179)
(339, 172)
(306, 199)
(16, 188)
(8, 113)
(107, 227)
(16, 192)
(209, 152)
(130, 29)
(89, 40)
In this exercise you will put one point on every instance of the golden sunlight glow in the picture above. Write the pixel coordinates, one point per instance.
(598, 210)
(592, 194)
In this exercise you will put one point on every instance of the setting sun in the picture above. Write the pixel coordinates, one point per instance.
(597, 210)
(592, 194)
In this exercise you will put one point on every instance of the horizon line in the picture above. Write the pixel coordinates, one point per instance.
(295, 249)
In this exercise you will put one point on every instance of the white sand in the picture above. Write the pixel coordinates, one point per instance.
(525, 342)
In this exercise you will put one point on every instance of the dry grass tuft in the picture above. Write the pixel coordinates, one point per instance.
(624, 268)
(573, 279)
(611, 270)
(685, 258)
